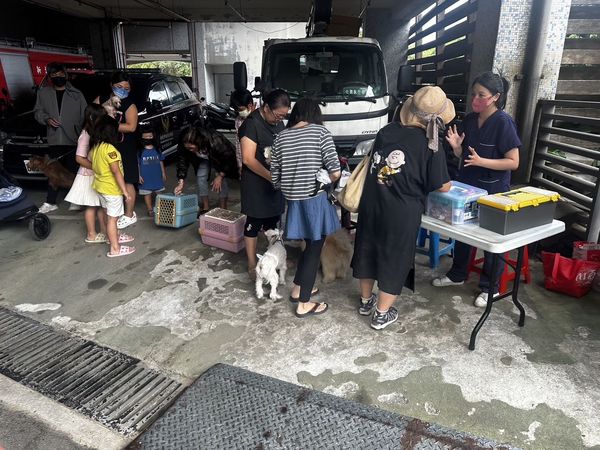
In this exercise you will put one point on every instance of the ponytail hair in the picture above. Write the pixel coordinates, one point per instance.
(496, 84)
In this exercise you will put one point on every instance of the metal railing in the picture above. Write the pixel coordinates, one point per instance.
(566, 156)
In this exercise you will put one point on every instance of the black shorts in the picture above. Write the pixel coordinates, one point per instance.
(254, 225)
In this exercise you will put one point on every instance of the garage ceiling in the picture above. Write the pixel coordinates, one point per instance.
(206, 10)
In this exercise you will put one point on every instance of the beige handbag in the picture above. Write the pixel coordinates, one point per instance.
(350, 196)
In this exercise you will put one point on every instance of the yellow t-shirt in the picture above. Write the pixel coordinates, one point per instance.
(103, 156)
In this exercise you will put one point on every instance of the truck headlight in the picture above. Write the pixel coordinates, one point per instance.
(364, 147)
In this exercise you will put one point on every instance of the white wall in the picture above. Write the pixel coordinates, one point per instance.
(223, 43)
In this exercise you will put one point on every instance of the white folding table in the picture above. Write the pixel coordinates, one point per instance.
(498, 244)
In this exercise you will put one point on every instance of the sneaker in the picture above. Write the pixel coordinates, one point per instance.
(482, 298)
(445, 281)
(366, 307)
(75, 207)
(47, 207)
(124, 221)
(381, 320)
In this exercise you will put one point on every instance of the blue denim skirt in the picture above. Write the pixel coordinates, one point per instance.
(312, 218)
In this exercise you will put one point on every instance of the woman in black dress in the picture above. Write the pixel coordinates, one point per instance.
(405, 166)
(262, 204)
(127, 116)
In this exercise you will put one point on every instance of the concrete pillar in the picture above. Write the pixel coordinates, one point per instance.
(198, 58)
(119, 45)
(193, 46)
(513, 27)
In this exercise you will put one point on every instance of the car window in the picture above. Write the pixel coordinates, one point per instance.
(159, 92)
(175, 91)
(186, 89)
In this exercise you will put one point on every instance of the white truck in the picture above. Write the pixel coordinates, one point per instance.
(346, 74)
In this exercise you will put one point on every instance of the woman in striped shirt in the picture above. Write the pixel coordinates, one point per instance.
(298, 153)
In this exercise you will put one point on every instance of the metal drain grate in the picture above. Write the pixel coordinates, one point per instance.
(113, 388)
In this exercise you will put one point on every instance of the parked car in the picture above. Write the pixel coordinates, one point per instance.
(164, 102)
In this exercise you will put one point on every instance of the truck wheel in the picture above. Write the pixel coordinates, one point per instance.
(40, 226)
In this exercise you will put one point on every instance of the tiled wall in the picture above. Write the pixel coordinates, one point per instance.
(512, 42)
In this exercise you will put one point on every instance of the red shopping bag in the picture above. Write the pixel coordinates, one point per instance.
(569, 276)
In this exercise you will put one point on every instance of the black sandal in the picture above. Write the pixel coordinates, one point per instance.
(314, 292)
(313, 311)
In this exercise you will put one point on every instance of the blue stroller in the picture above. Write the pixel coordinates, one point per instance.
(14, 205)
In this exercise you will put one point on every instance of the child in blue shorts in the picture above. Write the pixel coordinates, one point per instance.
(152, 171)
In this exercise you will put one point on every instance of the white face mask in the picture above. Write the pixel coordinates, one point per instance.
(244, 113)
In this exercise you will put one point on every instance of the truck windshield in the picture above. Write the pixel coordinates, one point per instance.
(330, 71)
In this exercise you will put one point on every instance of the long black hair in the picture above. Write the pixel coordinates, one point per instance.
(221, 152)
(496, 84)
(306, 110)
(92, 113)
(105, 130)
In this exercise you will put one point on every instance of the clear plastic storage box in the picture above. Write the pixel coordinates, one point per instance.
(457, 206)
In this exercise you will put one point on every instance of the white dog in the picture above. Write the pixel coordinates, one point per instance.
(273, 260)
(112, 105)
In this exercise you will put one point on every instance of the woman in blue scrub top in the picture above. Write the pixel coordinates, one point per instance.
(487, 144)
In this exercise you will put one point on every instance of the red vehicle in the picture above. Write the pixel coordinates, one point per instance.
(23, 67)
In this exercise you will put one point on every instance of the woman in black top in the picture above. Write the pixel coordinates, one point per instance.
(262, 204)
(205, 148)
(405, 166)
(127, 116)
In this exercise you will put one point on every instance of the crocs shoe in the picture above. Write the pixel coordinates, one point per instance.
(124, 221)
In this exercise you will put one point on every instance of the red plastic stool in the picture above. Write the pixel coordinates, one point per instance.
(508, 274)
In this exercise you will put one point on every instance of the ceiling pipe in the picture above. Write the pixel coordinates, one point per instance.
(239, 14)
(157, 6)
(533, 67)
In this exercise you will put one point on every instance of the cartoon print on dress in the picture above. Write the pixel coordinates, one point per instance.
(393, 163)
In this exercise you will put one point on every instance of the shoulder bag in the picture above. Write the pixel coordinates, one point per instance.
(349, 197)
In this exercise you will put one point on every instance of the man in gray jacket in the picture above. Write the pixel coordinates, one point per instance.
(61, 108)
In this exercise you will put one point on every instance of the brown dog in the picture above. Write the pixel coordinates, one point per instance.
(335, 256)
(58, 175)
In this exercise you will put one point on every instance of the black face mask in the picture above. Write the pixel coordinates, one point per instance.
(148, 141)
(59, 81)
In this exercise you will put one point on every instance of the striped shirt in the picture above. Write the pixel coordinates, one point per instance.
(296, 157)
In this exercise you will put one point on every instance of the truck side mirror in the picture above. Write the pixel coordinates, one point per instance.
(258, 85)
(406, 79)
(156, 105)
(240, 76)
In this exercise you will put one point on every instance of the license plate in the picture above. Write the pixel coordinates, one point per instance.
(32, 172)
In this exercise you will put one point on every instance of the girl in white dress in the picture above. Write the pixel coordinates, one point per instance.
(81, 192)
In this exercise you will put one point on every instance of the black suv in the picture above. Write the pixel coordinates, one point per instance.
(164, 102)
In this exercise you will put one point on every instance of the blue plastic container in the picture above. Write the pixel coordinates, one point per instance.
(175, 211)
(457, 206)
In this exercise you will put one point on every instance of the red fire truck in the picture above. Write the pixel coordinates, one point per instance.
(23, 67)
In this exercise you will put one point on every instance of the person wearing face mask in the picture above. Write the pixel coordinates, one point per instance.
(127, 115)
(61, 108)
(261, 202)
(487, 145)
(243, 104)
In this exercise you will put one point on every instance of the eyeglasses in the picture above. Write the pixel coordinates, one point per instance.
(278, 116)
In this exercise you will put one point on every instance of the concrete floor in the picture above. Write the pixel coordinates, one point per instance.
(182, 307)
